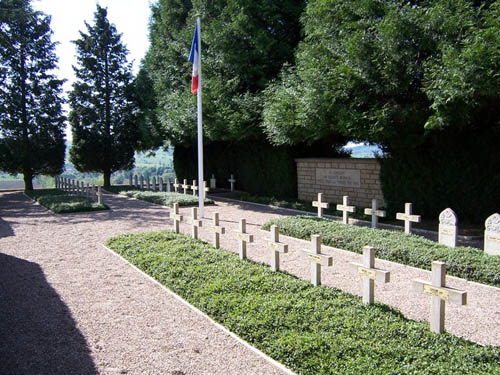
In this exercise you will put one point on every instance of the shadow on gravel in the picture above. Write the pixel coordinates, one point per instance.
(5, 229)
(37, 332)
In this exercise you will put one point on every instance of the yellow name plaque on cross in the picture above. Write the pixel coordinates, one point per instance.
(371, 274)
(493, 238)
(314, 257)
(436, 292)
(273, 245)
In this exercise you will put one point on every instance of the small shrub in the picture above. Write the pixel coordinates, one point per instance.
(465, 262)
(60, 202)
(163, 198)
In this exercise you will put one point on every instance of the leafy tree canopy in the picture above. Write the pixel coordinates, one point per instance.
(31, 117)
(381, 70)
(244, 45)
(103, 107)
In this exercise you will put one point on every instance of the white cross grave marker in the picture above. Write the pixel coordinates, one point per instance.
(177, 218)
(176, 185)
(345, 208)
(276, 247)
(375, 213)
(408, 218)
(130, 179)
(148, 185)
(185, 186)
(194, 187)
(99, 195)
(142, 182)
(88, 191)
(369, 274)
(205, 187)
(320, 204)
(154, 183)
(160, 183)
(168, 185)
(217, 229)
(448, 228)
(136, 181)
(492, 235)
(212, 182)
(440, 294)
(317, 259)
(194, 222)
(243, 237)
(232, 181)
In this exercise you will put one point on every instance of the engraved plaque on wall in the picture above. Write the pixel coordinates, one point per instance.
(338, 177)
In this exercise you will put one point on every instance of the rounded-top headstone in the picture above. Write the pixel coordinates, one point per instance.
(492, 224)
(492, 235)
(448, 217)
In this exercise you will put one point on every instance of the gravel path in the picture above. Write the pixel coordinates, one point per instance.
(73, 308)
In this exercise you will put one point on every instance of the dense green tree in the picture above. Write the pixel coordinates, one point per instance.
(31, 117)
(103, 106)
(244, 45)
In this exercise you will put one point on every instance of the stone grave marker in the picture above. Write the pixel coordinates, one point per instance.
(205, 188)
(317, 259)
(320, 204)
(176, 185)
(345, 208)
(212, 182)
(73, 186)
(88, 191)
(408, 218)
(276, 247)
(142, 182)
(194, 187)
(375, 213)
(136, 181)
(148, 185)
(130, 179)
(160, 183)
(194, 222)
(440, 294)
(176, 217)
(369, 274)
(154, 183)
(232, 181)
(99, 195)
(243, 237)
(448, 228)
(217, 229)
(492, 235)
(185, 186)
(168, 185)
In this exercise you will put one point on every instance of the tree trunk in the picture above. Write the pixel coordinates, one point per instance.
(28, 181)
(107, 179)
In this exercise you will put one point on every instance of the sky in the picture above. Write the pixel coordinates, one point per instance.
(130, 17)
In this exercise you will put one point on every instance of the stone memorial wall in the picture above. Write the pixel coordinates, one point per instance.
(357, 178)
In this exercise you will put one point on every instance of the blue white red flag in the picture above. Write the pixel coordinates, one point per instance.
(194, 57)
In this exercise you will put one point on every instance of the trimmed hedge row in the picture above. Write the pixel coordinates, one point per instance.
(465, 262)
(61, 202)
(163, 198)
(312, 330)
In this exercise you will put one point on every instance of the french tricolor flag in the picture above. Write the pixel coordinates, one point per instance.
(194, 57)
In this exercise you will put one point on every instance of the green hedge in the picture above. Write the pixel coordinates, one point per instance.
(465, 262)
(312, 330)
(258, 167)
(163, 198)
(61, 202)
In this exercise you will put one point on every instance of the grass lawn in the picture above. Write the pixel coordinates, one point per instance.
(311, 330)
(158, 197)
(61, 202)
(465, 262)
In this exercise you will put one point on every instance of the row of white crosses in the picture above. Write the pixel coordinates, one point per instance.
(367, 271)
(213, 182)
(145, 183)
(447, 232)
(79, 188)
(185, 187)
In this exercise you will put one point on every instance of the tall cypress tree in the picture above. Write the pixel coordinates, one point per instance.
(102, 116)
(31, 117)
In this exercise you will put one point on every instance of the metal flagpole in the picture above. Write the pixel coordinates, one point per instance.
(201, 190)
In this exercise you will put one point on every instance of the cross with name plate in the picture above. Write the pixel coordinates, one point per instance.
(243, 238)
(194, 222)
(177, 218)
(369, 274)
(217, 229)
(439, 293)
(185, 186)
(345, 208)
(408, 218)
(276, 247)
(317, 259)
(320, 204)
(176, 185)
(375, 213)
(194, 187)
